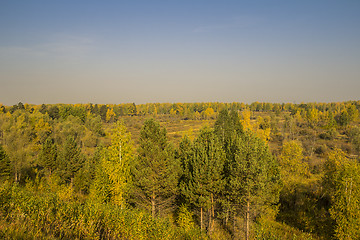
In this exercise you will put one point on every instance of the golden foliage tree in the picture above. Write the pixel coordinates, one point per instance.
(291, 161)
(342, 182)
(113, 176)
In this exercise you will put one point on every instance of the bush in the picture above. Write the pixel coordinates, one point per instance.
(320, 150)
(329, 134)
(271, 230)
(27, 214)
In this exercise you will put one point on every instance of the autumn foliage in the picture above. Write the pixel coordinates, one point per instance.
(180, 171)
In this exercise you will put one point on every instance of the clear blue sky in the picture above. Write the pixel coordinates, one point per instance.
(179, 51)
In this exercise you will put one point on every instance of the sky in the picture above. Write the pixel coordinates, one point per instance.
(122, 51)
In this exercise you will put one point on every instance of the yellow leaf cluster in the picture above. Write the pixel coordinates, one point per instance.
(245, 121)
(291, 161)
(116, 163)
(110, 115)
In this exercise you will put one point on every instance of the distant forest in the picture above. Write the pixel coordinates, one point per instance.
(180, 171)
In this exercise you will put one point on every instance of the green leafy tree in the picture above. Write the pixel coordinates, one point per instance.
(185, 219)
(72, 127)
(54, 112)
(312, 116)
(299, 194)
(94, 124)
(155, 171)
(65, 110)
(18, 136)
(43, 109)
(41, 127)
(354, 135)
(110, 115)
(5, 168)
(343, 118)
(2, 109)
(114, 167)
(330, 121)
(102, 111)
(132, 111)
(204, 175)
(342, 182)
(21, 106)
(291, 161)
(353, 113)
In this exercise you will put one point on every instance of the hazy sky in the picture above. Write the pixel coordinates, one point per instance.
(179, 51)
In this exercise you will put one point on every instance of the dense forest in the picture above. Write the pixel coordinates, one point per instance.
(180, 171)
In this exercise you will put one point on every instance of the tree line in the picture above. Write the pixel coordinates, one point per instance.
(343, 113)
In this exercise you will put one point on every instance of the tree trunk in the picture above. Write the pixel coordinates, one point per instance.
(153, 205)
(227, 217)
(209, 227)
(213, 211)
(227, 214)
(234, 224)
(17, 176)
(247, 237)
(201, 218)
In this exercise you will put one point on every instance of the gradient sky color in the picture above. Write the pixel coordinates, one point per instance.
(179, 51)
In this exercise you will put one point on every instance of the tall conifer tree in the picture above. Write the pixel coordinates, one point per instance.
(204, 179)
(250, 170)
(155, 171)
(228, 129)
(48, 155)
(71, 160)
(253, 181)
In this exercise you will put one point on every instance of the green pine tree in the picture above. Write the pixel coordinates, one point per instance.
(71, 160)
(203, 171)
(100, 189)
(183, 154)
(155, 171)
(227, 126)
(250, 171)
(228, 129)
(48, 155)
(253, 182)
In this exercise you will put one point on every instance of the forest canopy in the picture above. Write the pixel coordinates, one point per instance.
(180, 171)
